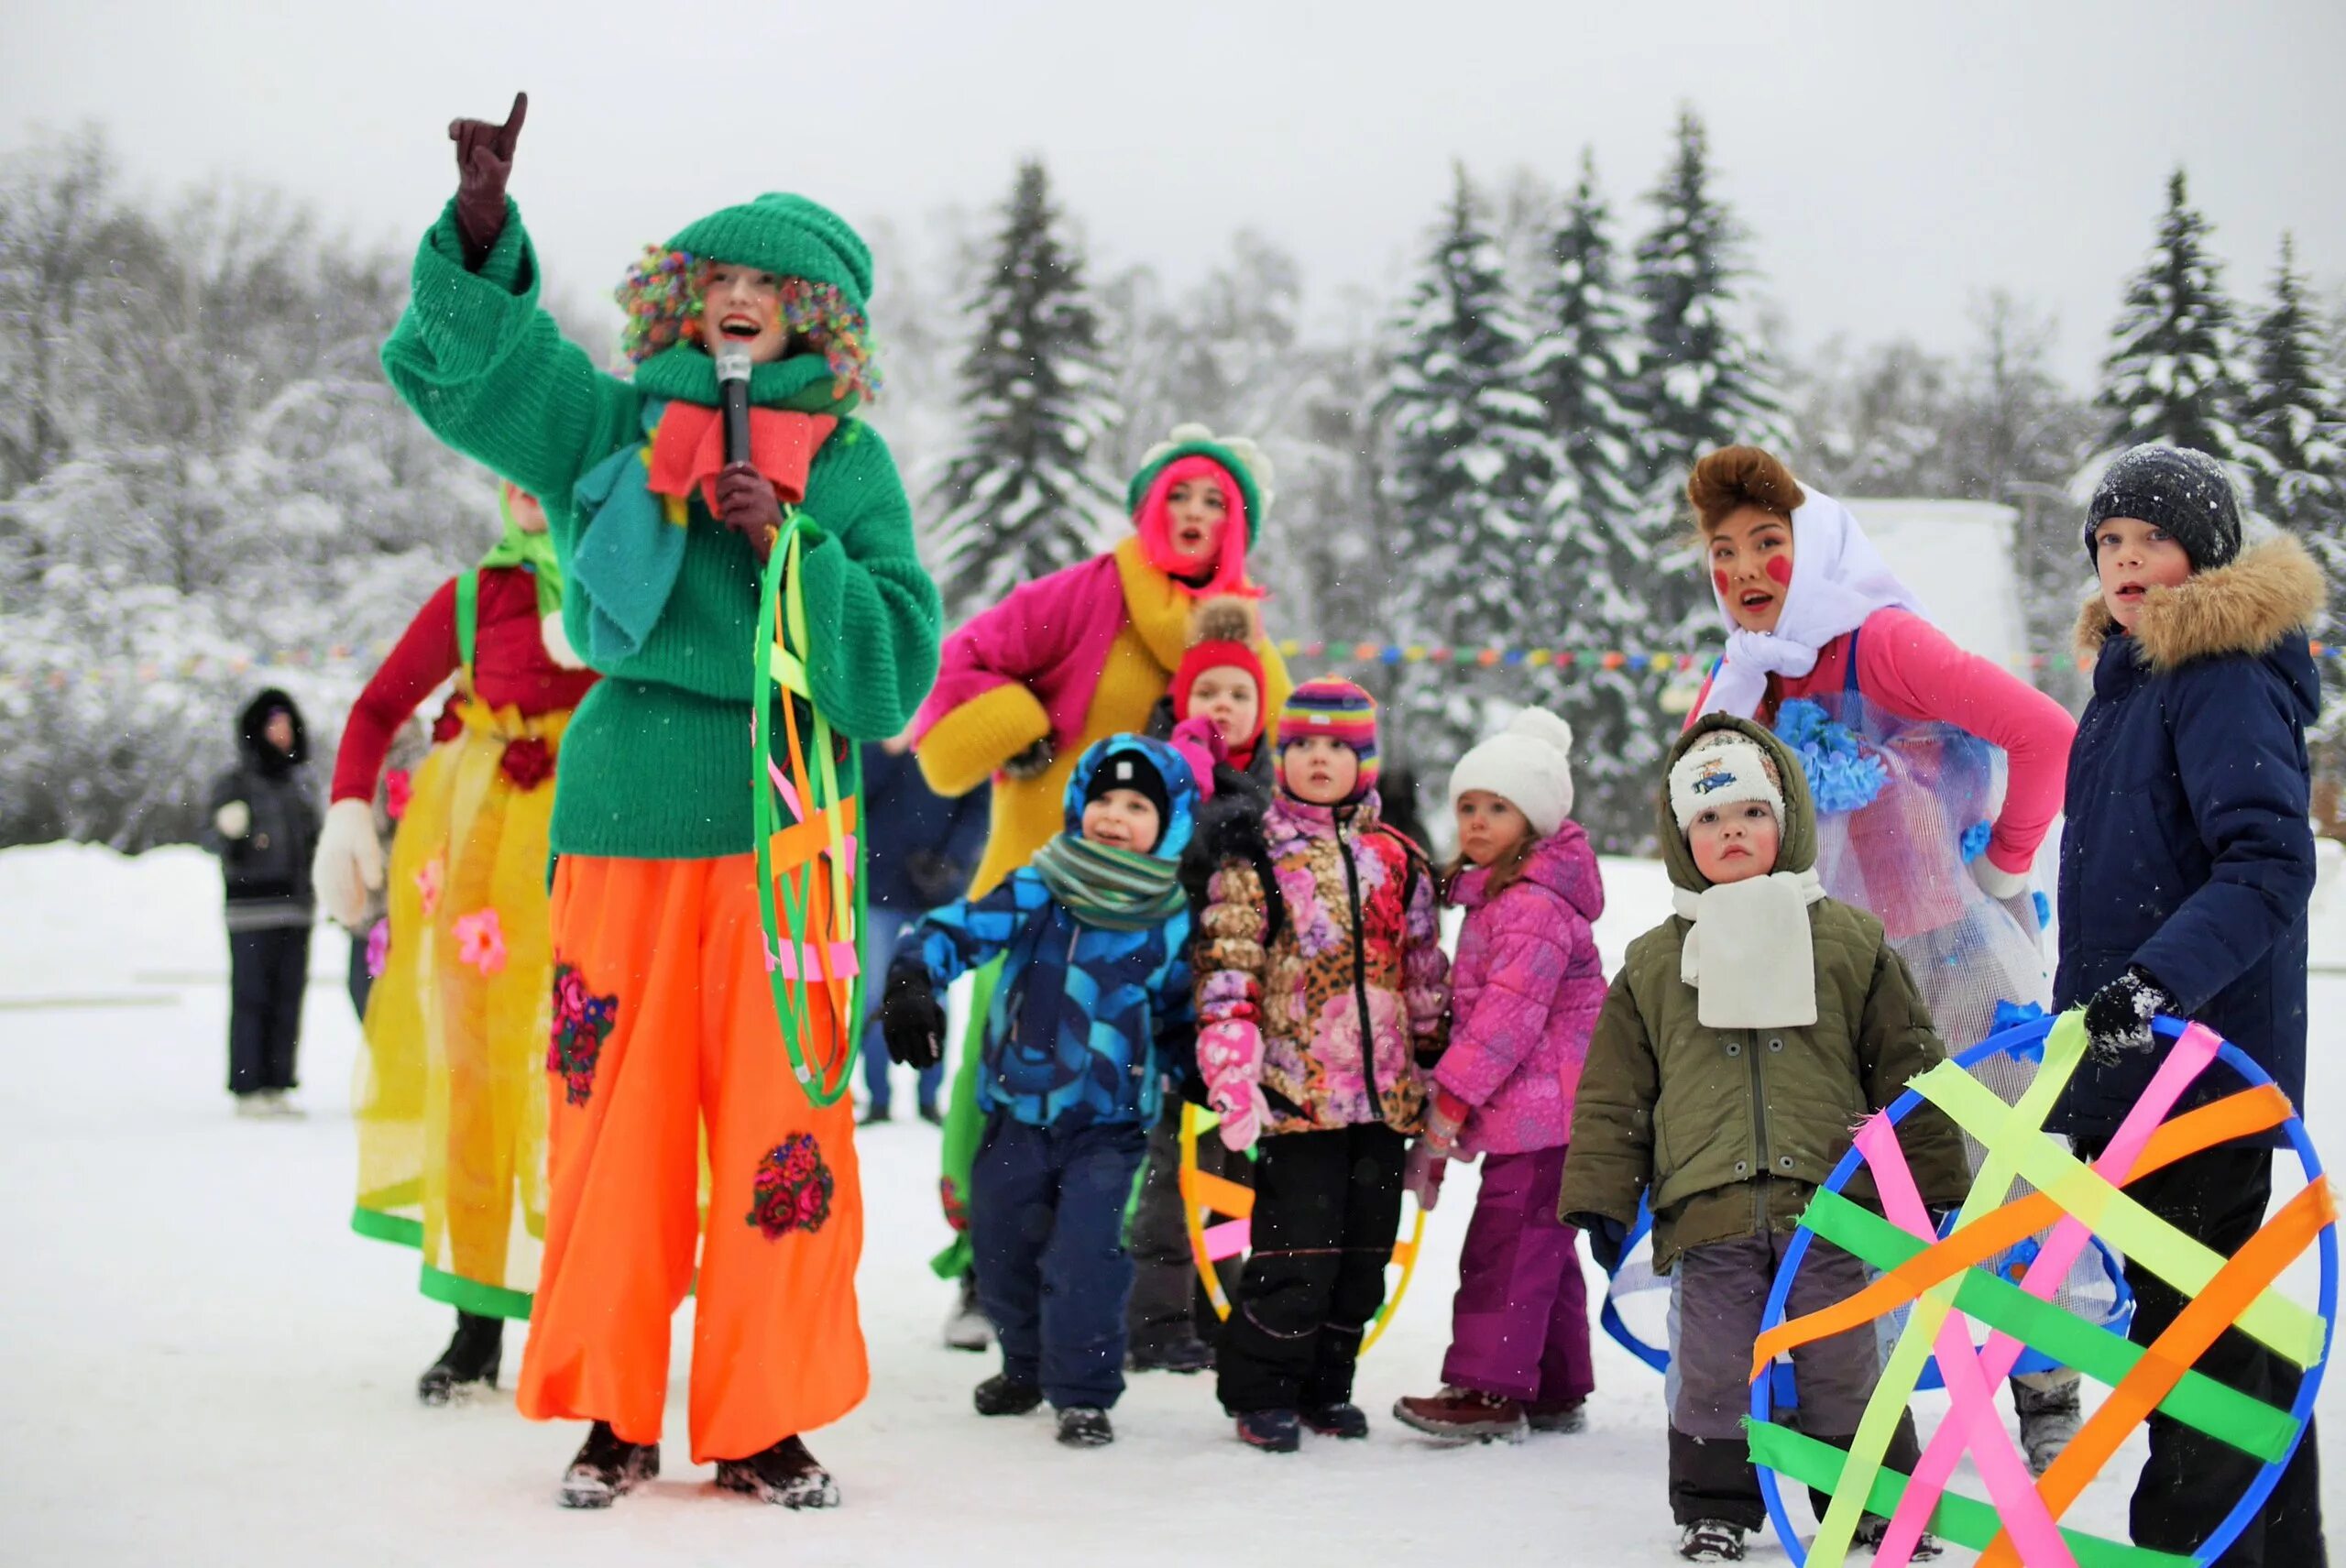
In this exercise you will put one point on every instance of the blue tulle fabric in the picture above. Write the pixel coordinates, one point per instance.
(1842, 775)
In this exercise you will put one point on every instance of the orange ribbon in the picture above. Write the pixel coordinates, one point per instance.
(2241, 1115)
(2239, 1282)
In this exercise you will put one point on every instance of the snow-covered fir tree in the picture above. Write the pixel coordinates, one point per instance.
(1472, 461)
(2295, 415)
(1705, 384)
(2296, 419)
(2175, 372)
(1025, 496)
(1584, 370)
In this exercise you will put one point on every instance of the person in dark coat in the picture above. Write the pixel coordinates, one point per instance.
(923, 848)
(263, 823)
(2186, 869)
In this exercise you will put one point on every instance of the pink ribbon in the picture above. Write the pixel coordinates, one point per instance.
(2184, 1062)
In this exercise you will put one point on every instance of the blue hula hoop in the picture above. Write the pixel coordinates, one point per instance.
(2020, 1037)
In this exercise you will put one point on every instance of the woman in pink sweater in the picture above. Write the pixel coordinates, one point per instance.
(1908, 742)
(1525, 994)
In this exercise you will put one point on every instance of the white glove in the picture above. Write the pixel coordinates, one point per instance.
(234, 819)
(2002, 885)
(556, 642)
(349, 862)
(2011, 889)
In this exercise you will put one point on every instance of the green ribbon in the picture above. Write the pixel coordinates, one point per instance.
(1966, 1521)
(2225, 1413)
(781, 655)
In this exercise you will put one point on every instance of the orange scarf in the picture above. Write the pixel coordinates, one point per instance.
(688, 449)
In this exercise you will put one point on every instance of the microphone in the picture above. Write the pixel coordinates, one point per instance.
(733, 392)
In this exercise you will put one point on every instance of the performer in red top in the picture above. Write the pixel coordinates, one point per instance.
(451, 1098)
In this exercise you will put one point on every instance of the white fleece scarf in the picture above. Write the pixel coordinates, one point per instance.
(1838, 579)
(1750, 958)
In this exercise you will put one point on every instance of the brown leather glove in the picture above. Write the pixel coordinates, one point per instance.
(483, 163)
(746, 504)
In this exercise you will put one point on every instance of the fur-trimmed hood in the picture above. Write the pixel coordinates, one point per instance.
(2273, 590)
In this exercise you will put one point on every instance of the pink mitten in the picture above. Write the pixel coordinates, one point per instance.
(1421, 1174)
(1202, 746)
(1230, 1058)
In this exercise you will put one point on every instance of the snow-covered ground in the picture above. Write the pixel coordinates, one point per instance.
(200, 1364)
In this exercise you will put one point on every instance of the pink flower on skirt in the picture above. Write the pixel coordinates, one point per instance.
(378, 949)
(480, 941)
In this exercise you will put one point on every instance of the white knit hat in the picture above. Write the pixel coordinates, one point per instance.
(1529, 763)
(1720, 769)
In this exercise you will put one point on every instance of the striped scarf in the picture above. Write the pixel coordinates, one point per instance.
(1116, 890)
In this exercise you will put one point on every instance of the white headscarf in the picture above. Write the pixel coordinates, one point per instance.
(1838, 579)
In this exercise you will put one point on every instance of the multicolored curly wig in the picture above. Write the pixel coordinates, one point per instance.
(661, 295)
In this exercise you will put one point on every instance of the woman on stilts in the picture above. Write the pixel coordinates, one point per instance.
(450, 1103)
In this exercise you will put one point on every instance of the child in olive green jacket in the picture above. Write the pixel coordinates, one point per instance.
(1740, 1046)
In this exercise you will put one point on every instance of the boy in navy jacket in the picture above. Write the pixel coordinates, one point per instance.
(2186, 869)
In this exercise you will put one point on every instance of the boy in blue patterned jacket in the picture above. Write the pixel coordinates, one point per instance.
(1095, 981)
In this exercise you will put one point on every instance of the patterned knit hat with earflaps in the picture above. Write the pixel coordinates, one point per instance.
(1193, 451)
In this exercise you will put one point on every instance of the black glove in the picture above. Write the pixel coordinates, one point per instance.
(1608, 1238)
(483, 163)
(2118, 1016)
(911, 1021)
(1032, 762)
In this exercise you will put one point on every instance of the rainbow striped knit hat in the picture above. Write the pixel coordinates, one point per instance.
(1337, 707)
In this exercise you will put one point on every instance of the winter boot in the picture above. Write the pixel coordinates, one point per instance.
(1345, 1421)
(606, 1468)
(1085, 1426)
(2048, 1419)
(472, 1357)
(1556, 1415)
(932, 1116)
(998, 1396)
(1273, 1432)
(1189, 1356)
(1711, 1541)
(784, 1475)
(966, 1327)
(876, 1116)
(1873, 1526)
(1463, 1415)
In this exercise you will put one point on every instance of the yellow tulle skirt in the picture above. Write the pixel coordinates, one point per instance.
(450, 1091)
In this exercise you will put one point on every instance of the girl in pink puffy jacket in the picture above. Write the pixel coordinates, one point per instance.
(1526, 990)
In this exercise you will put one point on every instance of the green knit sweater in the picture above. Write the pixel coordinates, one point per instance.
(656, 763)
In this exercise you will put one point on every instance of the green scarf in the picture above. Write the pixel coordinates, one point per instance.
(801, 383)
(1116, 890)
(535, 550)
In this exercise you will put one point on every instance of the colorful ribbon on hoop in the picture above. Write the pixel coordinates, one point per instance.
(1944, 1281)
(819, 807)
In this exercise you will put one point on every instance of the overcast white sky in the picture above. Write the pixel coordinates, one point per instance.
(1891, 159)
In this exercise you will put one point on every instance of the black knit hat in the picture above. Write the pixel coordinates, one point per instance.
(2185, 493)
(1128, 769)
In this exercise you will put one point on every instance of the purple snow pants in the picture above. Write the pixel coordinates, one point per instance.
(1519, 1326)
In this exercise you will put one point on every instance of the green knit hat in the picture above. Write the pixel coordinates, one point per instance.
(787, 235)
(1244, 461)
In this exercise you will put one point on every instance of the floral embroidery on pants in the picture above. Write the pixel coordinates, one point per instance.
(793, 1190)
(582, 1021)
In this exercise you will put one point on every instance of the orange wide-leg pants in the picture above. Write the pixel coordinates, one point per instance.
(664, 1024)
